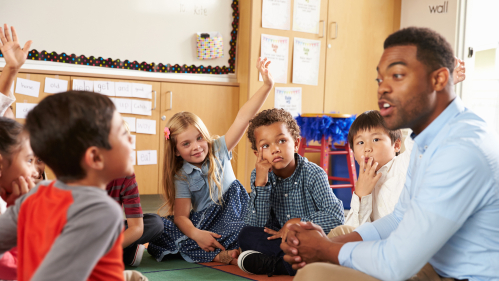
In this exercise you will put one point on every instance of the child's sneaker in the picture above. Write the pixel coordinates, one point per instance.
(139, 252)
(254, 262)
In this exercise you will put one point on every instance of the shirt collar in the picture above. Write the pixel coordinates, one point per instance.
(188, 168)
(429, 133)
(387, 166)
(299, 163)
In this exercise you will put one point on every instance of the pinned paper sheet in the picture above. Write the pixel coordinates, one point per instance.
(54, 86)
(130, 121)
(134, 141)
(28, 87)
(104, 88)
(147, 157)
(288, 99)
(123, 105)
(306, 16)
(276, 14)
(142, 91)
(146, 126)
(134, 157)
(83, 85)
(22, 109)
(123, 89)
(141, 107)
(276, 49)
(306, 61)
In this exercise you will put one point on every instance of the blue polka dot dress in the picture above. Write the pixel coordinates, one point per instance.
(226, 220)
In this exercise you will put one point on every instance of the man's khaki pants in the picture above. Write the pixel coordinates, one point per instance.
(327, 271)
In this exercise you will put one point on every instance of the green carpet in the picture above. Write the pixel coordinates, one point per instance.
(174, 267)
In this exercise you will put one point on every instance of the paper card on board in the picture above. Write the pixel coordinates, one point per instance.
(289, 99)
(134, 157)
(147, 157)
(276, 49)
(141, 91)
(83, 85)
(146, 126)
(27, 87)
(22, 109)
(131, 122)
(134, 141)
(276, 14)
(141, 107)
(123, 105)
(104, 88)
(123, 89)
(306, 16)
(306, 61)
(55, 86)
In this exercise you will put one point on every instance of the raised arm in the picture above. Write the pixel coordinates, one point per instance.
(251, 107)
(14, 57)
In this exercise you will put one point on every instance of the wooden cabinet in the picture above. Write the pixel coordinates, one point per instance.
(216, 105)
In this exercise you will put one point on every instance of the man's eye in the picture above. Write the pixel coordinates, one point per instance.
(282, 141)
(378, 81)
(265, 146)
(398, 76)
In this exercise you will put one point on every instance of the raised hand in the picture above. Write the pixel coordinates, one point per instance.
(367, 177)
(262, 167)
(459, 73)
(206, 240)
(263, 68)
(11, 49)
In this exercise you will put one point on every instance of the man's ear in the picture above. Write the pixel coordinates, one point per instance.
(297, 144)
(93, 158)
(398, 145)
(440, 78)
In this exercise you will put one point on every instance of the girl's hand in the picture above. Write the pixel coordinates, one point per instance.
(11, 50)
(459, 73)
(19, 187)
(262, 168)
(367, 178)
(206, 240)
(263, 68)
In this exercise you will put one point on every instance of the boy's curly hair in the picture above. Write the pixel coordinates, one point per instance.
(269, 117)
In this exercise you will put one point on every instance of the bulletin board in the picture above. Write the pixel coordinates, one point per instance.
(139, 35)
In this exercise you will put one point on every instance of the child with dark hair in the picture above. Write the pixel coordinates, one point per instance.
(81, 137)
(285, 188)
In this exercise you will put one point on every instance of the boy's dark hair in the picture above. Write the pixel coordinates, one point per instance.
(9, 136)
(63, 126)
(432, 48)
(370, 120)
(269, 117)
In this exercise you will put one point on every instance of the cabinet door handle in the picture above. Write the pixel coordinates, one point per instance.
(323, 28)
(171, 100)
(336, 30)
(155, 99)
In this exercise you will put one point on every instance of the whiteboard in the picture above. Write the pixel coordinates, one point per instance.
(150, 31)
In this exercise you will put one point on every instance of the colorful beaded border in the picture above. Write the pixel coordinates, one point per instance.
(151, 67)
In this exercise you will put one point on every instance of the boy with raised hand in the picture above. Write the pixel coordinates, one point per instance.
(285, 189)
(70, 229)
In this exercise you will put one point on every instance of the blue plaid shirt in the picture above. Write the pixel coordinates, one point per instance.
(305, 194)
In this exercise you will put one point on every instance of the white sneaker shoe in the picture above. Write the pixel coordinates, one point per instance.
(139, 252)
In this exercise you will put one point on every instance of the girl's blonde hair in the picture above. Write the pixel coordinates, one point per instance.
(177, 125)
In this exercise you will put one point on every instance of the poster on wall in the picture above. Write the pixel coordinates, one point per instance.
(289, 99)
(306, 15)
(276, 14)
(306, 61)
(276, 49)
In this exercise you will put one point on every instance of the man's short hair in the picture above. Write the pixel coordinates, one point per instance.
(432, 48)
(371, 120)
(63, 126)
(269, 117)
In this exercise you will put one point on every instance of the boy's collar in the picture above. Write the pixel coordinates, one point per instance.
(387, 166)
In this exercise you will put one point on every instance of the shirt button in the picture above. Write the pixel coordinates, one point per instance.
(288, 216)
(254, 212)
(420, 156)
(286, 195)
(425, 147)
(274, 183)
(296, 183)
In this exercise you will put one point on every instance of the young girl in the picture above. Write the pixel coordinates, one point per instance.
(16, 170)
(198, 173)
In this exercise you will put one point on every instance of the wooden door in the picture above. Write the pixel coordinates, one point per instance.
(217, 106)
(146, 175)
(356, 32)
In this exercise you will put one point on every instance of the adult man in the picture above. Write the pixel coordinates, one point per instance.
(448, 212)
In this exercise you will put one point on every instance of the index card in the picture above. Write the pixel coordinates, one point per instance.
(123, 89)
(104, 87)
(22, 109)
(131, 123)
(83, 85)
(141, 107)
(54, 86)
(146, 126)
(27, 87)
(142, 91)
(123, 105)
(147, 157)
